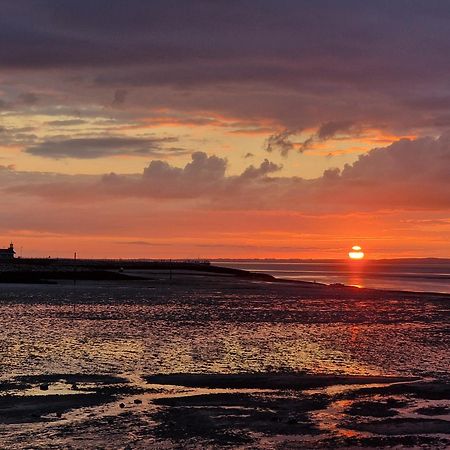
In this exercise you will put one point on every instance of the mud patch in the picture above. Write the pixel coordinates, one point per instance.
(434, 410)
(432, 390)
(376, 408)
(22, 409)
(267, 380)
(375, 442)
(45, 398)
(404, 426)
(235, 418)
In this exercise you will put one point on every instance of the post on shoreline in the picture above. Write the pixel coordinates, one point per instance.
(74, 274)
(75, 268)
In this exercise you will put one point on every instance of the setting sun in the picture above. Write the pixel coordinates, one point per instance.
(356, 252)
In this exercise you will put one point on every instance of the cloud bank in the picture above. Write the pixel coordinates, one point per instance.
(376, 60)
(98, 147)
(405, 175)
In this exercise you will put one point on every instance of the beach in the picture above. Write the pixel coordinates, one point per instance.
(204, 359)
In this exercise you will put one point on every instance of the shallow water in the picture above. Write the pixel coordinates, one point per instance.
(217, 327)
(423, 275)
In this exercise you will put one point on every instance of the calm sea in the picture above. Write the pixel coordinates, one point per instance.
(423, 275)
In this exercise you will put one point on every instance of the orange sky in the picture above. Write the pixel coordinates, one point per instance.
(223, 131)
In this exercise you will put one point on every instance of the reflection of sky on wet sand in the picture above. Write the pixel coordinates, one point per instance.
(356, 279)
(410, 275)
(179, 330)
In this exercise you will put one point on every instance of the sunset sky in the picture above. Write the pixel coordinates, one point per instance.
(234, 129)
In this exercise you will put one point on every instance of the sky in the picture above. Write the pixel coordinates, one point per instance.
(225, 129)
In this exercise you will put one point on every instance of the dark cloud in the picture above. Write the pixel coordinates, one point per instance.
(418, 162)
(164, 31)
(99, 147)
(66, 123)
(330, 129)
(280, 142)
(203, 176)
(202, 167)
(28, 98)
(120, 96)
(266, 167)
(17, 135)
(4, 105)
(374, 61)
(144, 243)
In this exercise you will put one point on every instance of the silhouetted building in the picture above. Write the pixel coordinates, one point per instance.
(7, 254)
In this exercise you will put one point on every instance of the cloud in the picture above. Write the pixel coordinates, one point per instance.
(366, 68)
(99, 147)
(409, 175)
(28, 98)
(406, 161)
(23, 99)
(144, 243)
(266, 167)
(120, 96)
(4, 105)
(395, 200)
(17, 135)
(326, 131)
(66, 122)
(280, 142)
(329, 129)
(203, 176)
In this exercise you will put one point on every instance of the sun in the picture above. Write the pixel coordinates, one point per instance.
(356, 252)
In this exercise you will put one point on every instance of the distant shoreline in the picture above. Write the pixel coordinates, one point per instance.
(53, 271)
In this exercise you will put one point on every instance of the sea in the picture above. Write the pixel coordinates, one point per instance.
(421, 275)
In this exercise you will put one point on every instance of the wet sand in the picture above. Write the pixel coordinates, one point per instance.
(131, 407)
(264, 410)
